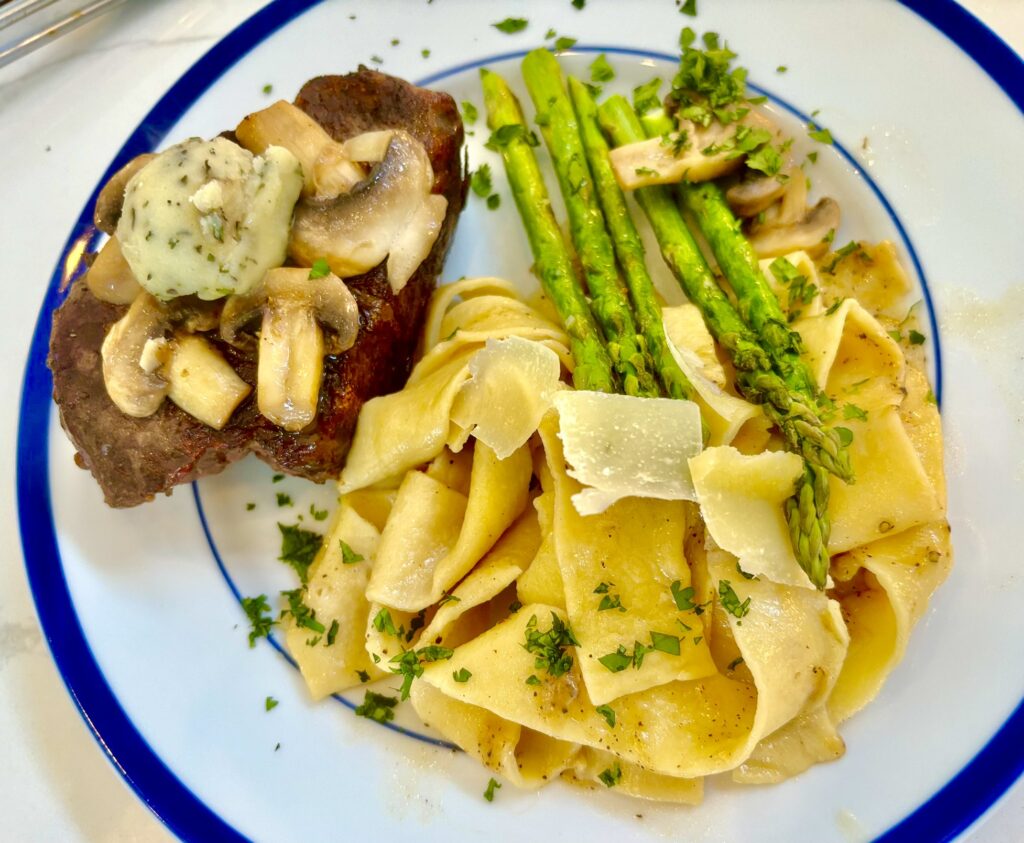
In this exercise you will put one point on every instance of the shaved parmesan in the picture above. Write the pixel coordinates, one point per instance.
(741, 499)
(510, 388)
(622, 446)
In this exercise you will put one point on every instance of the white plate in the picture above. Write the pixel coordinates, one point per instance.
(141, 607)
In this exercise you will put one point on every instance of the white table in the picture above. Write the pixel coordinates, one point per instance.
(54, 782)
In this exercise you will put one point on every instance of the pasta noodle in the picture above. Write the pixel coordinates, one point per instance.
(562, 617)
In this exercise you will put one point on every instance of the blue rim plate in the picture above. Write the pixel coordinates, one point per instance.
(943, 816)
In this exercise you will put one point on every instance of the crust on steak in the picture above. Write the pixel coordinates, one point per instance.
(135, 459)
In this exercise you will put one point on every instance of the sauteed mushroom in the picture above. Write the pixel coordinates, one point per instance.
(108, 204)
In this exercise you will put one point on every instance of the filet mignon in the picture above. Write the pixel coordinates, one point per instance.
(133, 459)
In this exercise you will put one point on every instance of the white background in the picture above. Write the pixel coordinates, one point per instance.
(56, 116)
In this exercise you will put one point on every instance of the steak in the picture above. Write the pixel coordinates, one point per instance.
(133, 459)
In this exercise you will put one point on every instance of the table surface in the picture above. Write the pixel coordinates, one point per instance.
(54, 782)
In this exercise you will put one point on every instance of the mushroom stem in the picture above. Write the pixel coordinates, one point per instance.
(290, 365)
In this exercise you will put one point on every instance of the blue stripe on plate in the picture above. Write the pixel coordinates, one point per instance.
(944, 816)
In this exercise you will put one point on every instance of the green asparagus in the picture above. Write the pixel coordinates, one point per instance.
(552, 260)
(628, 247)
(791, 411)
(608, 299)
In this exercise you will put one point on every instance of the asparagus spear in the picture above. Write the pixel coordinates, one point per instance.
(628, 247)
(807, 511)
(552, 261)
(794, 413)
(608, 299)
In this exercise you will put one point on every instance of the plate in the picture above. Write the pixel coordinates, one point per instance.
(141, 607)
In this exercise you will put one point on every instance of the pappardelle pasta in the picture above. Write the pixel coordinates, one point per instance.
(562, 593)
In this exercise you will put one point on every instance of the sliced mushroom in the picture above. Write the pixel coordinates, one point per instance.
(293, 306)
(134, 390)
(110, 278)
(327, 170)
(749, 197)
(656, 161)
(810, 234)
(356, 231)
(192, 314)
(108, 204)
(202, 382)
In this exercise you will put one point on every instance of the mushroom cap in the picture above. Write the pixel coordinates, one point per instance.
(809, 234)
(110, 278)
(750, 196)
(134, 390)
(111, 199)
(356, 231)
(328, 297)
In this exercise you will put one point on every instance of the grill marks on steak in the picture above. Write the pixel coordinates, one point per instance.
(134, 459)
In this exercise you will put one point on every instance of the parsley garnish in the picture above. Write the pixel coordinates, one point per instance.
(617, 661)
(684, 598)
(550, 648)
(646, 171)
(382, 623)
(277, 478)
(304, 617)
(611, 776)
(377, 707)
(461, 675)
(376, 59)
(610, 601)
(269, 704)
(853, 247)
(320, 269)
(730, 602)
(410, 663)
(332, 633)
(645, 97)
(299, 548)
(852, 411)
(348, 555)
(734, 663)
(284, 499)
(493, 201)
(318, 514)
(579, 4)
(781, 68)
(664, 643)
(249, 507)
(363, 675)
(845, 435)
(565, 43)
(608, 713)
(254, 608)
(502, 137)
(915, 337)
(469, 112)
(425, 53)
(480, 181)
(743, 573)
(689, 8)
(268, 88)
(492, 785)
(511, 25)
(533, 679)
(820, 135)
(601, 70)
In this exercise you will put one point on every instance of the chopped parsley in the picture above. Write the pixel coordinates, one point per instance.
(304, 617)
(550, 647)
(730, 602)
(813, 157)
(269, 704)
(447, 598)
(299, 548)
(320, 269)
(377, 707)
(409, 664)
(533, 679)
(684, 598)
(425, 53)
(493, 201)
(348, 555)
(565, 43)
(818, 134)
(550, 34)
(277, 478)
(480, 181)
(608, 713)
(781, 68)
(318, 514)
(915, 337)
(646, 171)
(579, 4)
(664, 643)
(801, 290)
(611, 776)
(845, 436)
(601, 70)
(461, 675)
(689, 8)
(376, 59)
(736, 662)
(382, 622)
(852, 411)
(610, 601)
(646, 97)
(851, 248)
(503, 136)
(363, 675)
(284, 499)
(249, 507)
(469, 112)
(510, 26)
(268, 88)
(258, 612)
(492, 785)
(618, 661)
(332, 633)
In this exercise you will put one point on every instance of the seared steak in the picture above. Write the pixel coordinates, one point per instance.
(134, 459)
